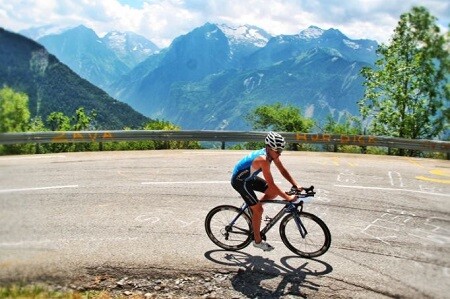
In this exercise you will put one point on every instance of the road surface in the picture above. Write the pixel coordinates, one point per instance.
(144, 210)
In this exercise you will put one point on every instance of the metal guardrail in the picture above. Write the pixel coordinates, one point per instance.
(221, 136)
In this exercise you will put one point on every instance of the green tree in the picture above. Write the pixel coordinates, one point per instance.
(14, 111)
(14, 117)
(37, 125)
(58, 121)
(406, 93)
(350, 125)
(157, 125)
(168, 126)
(83, 121)
(280, 118)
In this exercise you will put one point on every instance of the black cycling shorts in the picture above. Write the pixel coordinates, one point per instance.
(247, 188)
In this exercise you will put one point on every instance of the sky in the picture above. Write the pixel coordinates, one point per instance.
(163, 20)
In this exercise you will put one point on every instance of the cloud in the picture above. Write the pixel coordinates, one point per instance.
(163, 20)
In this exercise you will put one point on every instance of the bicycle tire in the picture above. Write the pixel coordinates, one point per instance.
(316, 242)
(234, 237)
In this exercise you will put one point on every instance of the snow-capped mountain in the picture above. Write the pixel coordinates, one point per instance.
(130, 47)
(283, 47)
(203, 79)
(311, 32)
(245, 34)
(82, 50)
(99, 60)
(244, 40)
(210, 77)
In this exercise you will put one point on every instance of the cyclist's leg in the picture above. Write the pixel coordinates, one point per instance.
(260, 185)
(257, 211)
(245, 189)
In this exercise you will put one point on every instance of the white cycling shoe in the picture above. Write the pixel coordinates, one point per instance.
(263, 245)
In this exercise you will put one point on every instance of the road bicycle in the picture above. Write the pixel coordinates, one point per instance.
(305, 234)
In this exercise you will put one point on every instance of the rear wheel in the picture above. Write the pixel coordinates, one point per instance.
(316, 241)
(224, 234)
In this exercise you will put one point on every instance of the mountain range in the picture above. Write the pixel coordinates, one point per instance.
(51, 86)
(99, 60)
(210, 79)
(213, 76)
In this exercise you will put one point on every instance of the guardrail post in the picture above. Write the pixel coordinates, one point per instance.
(223, 145)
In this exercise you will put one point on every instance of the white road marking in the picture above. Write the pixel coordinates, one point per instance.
(392, 189)
(37, 188)
(60, 242)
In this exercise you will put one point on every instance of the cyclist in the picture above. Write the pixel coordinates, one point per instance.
(245, 181)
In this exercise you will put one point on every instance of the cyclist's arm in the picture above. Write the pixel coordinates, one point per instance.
(285, 173)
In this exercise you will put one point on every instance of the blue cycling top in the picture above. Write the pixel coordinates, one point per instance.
(243, 169)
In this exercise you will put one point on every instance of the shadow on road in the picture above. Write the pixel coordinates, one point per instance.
(260, 277)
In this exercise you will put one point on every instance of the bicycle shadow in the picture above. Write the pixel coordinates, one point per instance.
(259, 277)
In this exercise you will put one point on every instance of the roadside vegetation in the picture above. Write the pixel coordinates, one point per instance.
(407, 96)
(34, 291)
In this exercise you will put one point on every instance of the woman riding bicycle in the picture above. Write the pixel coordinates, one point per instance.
(245, 181)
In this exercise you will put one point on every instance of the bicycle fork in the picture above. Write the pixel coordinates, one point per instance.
(300, 226)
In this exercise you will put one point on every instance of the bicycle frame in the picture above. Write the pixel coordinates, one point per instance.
(236, 234)
(289, 208)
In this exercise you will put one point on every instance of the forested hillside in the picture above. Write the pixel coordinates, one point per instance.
(52, 87)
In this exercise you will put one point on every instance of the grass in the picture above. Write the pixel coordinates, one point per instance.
(42, 292)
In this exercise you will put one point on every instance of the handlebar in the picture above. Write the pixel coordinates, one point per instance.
(307, 192)
(304, 192)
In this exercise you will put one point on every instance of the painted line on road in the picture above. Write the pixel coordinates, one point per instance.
(186, 182)
(392, 189)
(424, 178)
(37, 188)
(59, 242)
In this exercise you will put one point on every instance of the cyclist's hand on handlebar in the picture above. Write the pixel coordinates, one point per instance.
(295, 190)
(298, 191)
(292, 197)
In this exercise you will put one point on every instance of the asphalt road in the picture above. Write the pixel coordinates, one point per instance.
(65, 213)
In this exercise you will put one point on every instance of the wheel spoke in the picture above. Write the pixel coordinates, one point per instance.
(315, 243)
(225, 234)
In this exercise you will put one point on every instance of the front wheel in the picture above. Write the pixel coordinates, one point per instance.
(226, 229)
(316, 241)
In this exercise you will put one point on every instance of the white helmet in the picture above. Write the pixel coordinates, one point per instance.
(275, 141)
